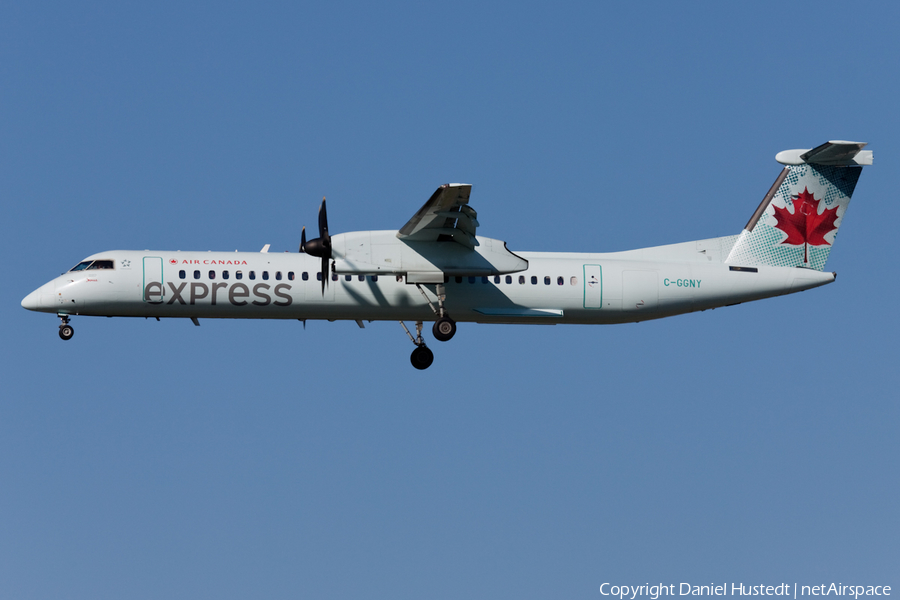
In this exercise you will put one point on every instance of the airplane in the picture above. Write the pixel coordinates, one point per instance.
(436, 268)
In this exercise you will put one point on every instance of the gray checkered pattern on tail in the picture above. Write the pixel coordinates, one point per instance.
(798, 220)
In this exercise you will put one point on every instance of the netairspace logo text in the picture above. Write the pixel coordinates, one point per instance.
(654, 592)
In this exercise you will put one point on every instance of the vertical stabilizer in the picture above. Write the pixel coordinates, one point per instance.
(797, 222)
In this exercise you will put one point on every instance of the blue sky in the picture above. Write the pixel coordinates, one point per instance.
(756, 443)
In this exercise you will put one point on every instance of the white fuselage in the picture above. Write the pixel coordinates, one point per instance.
(555, 288)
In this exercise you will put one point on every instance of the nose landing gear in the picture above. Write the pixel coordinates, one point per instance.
(66, 331)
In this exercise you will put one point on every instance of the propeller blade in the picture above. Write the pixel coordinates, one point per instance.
(320, 246)
(323, 222)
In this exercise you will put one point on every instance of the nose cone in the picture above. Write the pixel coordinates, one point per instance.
(33, 300)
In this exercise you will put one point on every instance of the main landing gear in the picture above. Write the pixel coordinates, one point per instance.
(421, 357)
(66, 331)
(444, 329)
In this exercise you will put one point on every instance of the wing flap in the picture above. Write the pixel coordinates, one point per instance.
(445, 216)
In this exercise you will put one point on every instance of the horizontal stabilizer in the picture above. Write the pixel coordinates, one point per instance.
(835, 153)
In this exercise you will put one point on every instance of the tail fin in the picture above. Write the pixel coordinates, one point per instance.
(798, 220)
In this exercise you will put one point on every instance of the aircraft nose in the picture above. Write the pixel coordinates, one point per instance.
(33, 300)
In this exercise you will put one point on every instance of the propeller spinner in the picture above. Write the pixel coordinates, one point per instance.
(320, 246)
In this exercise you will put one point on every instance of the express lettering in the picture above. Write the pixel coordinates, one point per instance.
(236, 294)
(153, 293)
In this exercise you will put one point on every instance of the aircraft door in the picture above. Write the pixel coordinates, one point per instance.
(153, 290)
(593, 286)
(640, 290)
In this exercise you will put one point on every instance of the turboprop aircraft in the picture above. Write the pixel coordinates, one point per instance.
(435, 268)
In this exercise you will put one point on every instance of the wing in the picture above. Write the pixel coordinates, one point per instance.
(446, 216)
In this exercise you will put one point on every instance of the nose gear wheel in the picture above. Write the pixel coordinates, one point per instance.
(66, 331)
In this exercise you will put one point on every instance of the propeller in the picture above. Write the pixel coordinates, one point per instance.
(320, 246)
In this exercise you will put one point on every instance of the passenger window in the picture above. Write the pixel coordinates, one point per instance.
(266, 275)
(224, 274)
(334, 277)
(252, 275)
(196, 274)
(496, 279)
(278, 275)
(484, 280)
(319, 276)
(238, 275)
(533, 280)
(574, 281)
(509, 279)
(471, 280)
(81, 266)
(373, 278)
(290, 275)
(348, 277)
(521, 279)
(305, 276)
(560, 281)
(212, 274)
(547, 280)
(182, 274)
(458, 279)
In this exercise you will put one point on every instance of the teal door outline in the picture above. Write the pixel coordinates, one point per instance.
(593, 286)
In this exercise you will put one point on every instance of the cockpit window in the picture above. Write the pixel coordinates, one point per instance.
(81, 266)
(101, 264)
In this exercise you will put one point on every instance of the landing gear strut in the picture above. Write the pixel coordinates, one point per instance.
(66, 331)
(421, 357)
(444, 327)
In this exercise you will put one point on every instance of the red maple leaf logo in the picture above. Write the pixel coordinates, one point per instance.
(806, 226)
